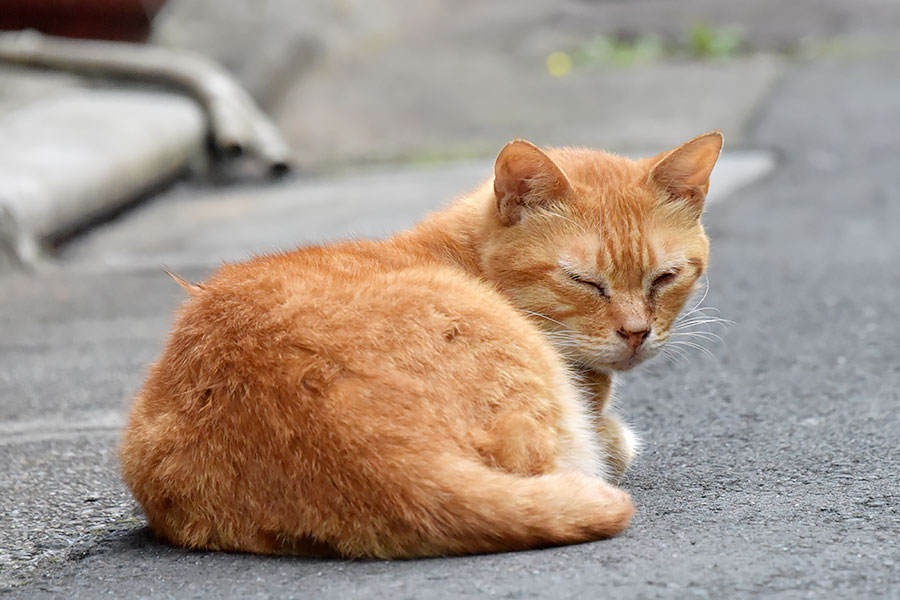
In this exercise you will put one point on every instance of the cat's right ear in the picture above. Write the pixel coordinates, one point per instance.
(524, 177)
(682, 175)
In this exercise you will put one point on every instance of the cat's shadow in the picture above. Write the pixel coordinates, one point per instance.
(140, 541)
(138, 544)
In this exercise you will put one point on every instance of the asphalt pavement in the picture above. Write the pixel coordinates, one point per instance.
(768, 471)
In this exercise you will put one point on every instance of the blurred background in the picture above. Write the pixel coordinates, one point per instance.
(373, 81)
(137, 135)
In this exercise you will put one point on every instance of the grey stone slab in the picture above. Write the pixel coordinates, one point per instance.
(22, 86)
(79, 152)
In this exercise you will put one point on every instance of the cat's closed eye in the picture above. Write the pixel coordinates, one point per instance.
(599, 287)
(663, 280)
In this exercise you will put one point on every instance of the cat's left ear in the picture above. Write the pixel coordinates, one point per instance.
(525, 177)
(682, 174)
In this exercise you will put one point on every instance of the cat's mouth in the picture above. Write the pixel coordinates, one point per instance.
(604, 357)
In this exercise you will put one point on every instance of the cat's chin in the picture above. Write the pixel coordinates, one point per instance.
(645, 354)
(632, 361)
(625, 365)
(609, 368)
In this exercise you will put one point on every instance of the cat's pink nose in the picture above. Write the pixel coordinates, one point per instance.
(633, 338)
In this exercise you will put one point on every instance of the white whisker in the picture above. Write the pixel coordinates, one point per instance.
(691, 330)
(711, 335)
(700, 312)
(701, 321)
(703, 296)
(677, 355)
(702, 335)
(694, 345)
(537, 314)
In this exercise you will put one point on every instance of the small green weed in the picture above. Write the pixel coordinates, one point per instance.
(701, 41)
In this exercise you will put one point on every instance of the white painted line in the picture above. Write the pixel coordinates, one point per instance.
(735, 170)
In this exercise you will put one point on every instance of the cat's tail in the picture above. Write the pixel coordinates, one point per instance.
(465, 507)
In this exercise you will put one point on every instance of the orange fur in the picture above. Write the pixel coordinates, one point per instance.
(417, 396)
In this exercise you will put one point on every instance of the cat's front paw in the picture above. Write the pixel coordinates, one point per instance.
(620, 445)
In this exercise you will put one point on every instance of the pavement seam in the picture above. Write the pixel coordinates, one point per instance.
(22, 432)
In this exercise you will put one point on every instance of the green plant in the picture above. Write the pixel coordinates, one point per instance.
(705, 41)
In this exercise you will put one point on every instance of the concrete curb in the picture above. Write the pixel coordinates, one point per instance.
(105, 146)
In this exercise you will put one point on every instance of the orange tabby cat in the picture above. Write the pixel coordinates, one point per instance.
(419, 396)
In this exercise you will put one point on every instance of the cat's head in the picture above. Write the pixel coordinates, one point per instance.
(605, 251)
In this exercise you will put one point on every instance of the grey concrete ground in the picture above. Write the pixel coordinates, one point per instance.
(770, 471)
